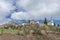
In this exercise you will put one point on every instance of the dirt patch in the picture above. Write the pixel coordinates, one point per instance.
(30, 37)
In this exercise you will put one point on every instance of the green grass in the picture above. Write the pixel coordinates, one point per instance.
(8, 31)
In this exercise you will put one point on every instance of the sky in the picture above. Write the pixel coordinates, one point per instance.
(11, 10)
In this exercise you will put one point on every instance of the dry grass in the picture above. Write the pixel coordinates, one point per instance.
(30, 32)
(30, 37)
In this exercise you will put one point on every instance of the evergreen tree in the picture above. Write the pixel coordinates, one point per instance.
(54, 24)
(45, 21)
(58, 25)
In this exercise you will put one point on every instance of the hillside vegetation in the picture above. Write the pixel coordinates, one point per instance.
(36, 31)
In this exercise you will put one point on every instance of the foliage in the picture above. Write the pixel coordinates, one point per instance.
(54, 24)
(45, 21)
(58, 25)
(5, 27)
(13, 27)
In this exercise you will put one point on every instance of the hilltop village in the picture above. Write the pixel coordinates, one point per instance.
(31, 30)
(31, 22)
(33, 25)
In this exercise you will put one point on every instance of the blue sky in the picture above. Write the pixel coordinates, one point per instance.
(11, 10)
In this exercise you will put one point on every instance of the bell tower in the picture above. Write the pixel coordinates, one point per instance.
(52, 21)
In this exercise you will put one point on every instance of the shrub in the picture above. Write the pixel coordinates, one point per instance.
(22, 32)
(31, 31)
(13, 27)
(5, 27)
(18, 33)
(43, 32)
(1, 32)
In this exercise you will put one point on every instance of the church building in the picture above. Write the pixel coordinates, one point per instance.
(51, 22)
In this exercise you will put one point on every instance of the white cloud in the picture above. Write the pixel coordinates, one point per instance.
(3, 20)
(5, 9)
(40, 8)
(23, 3)
(35, 9)
(20, 16)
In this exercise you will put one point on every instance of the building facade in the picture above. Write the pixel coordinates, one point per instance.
(51, 22)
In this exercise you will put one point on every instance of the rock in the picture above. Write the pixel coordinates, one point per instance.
(43, 32)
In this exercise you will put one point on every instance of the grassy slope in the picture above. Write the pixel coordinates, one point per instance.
(8, 31)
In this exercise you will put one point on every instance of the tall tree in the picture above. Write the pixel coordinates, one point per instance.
(45, 21)
(54, 24)
(58, 25)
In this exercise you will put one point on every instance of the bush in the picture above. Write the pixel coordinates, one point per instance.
(13, 27)
(5, 27)
(1, 32)
(43, 32)
(21, 32)
(31, 31)
(18, 33)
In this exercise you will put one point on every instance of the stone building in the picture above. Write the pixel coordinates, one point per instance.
(31, 22)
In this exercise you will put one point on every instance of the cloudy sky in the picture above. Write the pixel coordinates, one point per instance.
(28, 9)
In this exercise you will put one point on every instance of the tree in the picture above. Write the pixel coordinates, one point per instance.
(54, 24)
(6, 27)
(58, 25)
(45, 21)
(12, 27)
